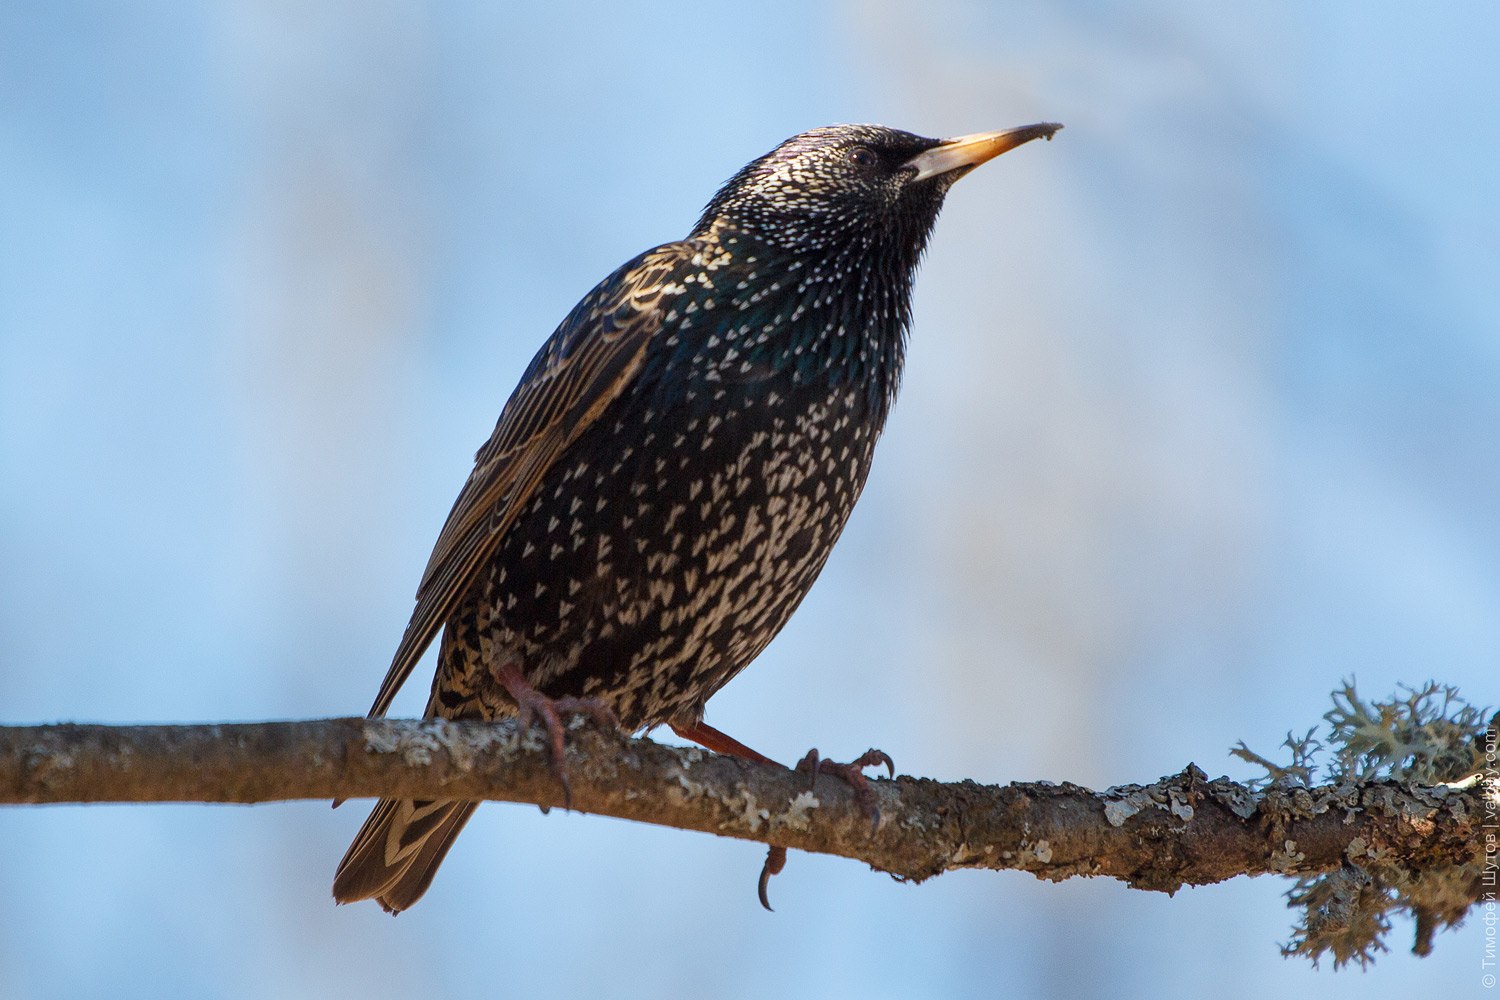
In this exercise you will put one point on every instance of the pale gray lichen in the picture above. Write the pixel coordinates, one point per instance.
(1238, 800)
(752, 816)
(1117, 811)
(1345, 912)
(381, 739)
(1424, 736)
(1299, 772)
(1124, 801)
(797, 815)
(694, 789)
(465, 749)
(415, 744)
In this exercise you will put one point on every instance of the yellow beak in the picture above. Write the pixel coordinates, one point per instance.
(968, 151)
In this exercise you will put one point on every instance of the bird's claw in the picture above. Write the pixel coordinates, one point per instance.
(853, 773)
(775, 861)
(535, 705)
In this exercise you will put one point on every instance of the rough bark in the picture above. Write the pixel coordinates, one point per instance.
(1182, 829)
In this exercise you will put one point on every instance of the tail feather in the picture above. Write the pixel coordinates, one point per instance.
(398, 850)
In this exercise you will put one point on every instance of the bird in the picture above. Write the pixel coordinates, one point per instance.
(674, 467)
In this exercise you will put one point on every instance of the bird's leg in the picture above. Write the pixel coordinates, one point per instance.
(532, 703)
(853, 773)
(705, 735)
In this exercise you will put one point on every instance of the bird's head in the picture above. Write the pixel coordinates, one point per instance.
(853, 184)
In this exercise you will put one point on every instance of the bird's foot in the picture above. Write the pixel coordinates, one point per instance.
(853, 773)
(533, 705)
(703, 734)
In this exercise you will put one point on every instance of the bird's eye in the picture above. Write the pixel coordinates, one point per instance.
(862, 157)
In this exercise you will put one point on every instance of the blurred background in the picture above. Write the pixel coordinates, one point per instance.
(1200, 417)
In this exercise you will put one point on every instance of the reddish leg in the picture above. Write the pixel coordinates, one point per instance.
(533, 703)
(705, 735)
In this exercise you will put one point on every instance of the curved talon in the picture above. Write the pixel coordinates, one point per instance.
(853, 774)
(532, 704)
(881, 757)
(540, 707)
(705, 735)
(775, 862)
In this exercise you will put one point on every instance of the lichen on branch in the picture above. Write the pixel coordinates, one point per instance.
(1426, 736)
(1362, 845)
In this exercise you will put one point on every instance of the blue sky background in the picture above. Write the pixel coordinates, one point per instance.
(1200, 417)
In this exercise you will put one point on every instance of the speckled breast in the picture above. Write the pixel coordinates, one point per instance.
(670, 546)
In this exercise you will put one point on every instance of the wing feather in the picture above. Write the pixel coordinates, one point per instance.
(585, 365)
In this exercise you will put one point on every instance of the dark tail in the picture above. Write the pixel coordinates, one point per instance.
(398, 850)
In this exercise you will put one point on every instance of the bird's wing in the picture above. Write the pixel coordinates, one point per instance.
(585, 365)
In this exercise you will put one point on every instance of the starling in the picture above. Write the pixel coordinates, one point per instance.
(672, 471)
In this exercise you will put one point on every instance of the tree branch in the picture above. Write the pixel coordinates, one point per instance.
(1184, 829)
